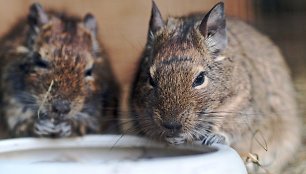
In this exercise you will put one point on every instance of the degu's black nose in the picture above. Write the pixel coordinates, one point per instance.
(61, 106)
(173, 126)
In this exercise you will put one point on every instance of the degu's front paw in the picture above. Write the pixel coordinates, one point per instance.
(212, 139)
(176, 140)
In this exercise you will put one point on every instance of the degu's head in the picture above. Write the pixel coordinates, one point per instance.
(184, 77)
(59, 77)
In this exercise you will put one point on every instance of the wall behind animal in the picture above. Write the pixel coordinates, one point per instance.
(122, 24)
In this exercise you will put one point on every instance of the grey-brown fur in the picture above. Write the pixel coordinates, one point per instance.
(248, 88)
(55, 47)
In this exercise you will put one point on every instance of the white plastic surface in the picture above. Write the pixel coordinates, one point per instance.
(113, 154)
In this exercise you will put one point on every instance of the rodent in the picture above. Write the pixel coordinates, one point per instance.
(56, 79)
(205, 78)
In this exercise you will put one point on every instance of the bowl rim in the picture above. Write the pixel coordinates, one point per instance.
(152, 165)
(90, 141)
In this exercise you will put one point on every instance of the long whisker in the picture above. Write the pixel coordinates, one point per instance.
(45, 98)
(116, 141)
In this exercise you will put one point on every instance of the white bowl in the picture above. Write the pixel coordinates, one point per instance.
(114, 154)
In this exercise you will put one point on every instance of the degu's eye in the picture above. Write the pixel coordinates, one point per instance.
(39, 62)
(152, 81)
(200, 81)
(88, 72)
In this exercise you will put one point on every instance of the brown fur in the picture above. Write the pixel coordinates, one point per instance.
(248, 90)
(61, 50)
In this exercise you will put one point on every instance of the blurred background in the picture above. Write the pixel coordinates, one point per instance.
(123, 28)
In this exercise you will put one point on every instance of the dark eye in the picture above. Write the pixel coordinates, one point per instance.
(200, 79)
(39, 62)
(43, 116)
(88, 72)
(151, 81)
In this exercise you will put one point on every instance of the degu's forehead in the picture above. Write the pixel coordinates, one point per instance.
(180, 56)
(58, 32)
(186, 66)
(63, 50)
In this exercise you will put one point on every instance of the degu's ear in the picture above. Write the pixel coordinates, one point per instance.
(156, 21)
(213, 28)
(37, 16)
(90, 23)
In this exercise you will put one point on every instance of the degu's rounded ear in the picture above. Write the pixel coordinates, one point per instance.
(156, 21)
(213, 28)
(37, 16)
(90, 23)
